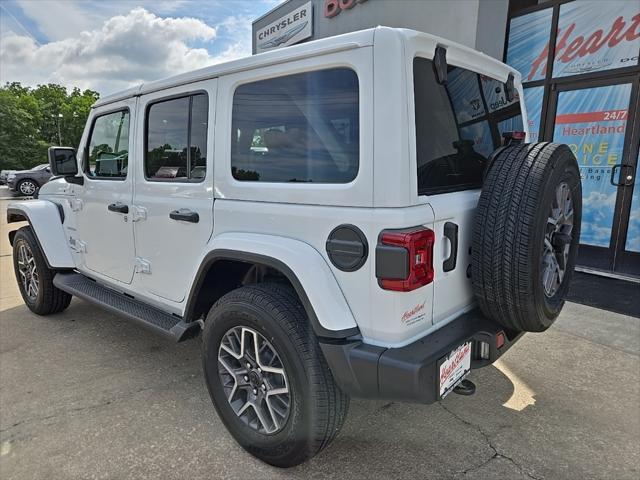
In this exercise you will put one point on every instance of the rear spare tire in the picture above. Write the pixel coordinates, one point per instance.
(526, 234)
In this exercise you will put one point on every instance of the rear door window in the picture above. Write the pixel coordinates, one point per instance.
(176, 139)
(297, 128)
(458, 125)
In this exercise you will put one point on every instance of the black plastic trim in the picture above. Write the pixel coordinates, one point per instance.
(60, 211)
(451, 232)
(392, 262)
(224, 254)
(440, 64)
(410, 373)
(139, 312)
(345, 254)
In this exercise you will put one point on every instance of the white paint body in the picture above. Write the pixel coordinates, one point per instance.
(287, 221)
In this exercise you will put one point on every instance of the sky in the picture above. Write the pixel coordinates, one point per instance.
(110, 45)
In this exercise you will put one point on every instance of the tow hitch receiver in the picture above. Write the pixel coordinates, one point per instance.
(465, 387)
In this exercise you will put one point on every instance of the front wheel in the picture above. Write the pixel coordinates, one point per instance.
(35, 278)
(267, 376)
(27, 187)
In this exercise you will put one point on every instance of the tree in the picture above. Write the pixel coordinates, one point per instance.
(32, 119)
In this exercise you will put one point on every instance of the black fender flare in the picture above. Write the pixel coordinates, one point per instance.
(248, 257)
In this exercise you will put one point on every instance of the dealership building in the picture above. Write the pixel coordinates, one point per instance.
(581, 77)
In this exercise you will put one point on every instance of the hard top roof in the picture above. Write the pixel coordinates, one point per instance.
(322, 46)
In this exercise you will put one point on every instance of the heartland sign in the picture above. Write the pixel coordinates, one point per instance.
(589, 38)
(287, 30)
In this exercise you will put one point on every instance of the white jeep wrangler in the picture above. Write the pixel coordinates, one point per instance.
(353, 216)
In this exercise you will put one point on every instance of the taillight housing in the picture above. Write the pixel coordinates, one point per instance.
(414, 248)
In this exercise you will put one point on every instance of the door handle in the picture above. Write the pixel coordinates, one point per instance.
(626, 175)
(451, 232)
(118, 207)
(185, 215)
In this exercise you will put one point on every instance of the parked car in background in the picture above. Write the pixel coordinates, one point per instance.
(28, 182)
(3, 176)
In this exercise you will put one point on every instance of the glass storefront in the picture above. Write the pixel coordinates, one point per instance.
(588, 99)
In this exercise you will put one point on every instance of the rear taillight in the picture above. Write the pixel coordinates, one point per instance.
(405, 259)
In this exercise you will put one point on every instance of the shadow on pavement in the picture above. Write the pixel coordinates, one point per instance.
(610, 294)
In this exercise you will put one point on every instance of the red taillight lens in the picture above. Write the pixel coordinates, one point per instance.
(500, 340)
(419, 244)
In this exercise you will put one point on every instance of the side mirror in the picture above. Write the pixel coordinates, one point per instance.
(62, 161)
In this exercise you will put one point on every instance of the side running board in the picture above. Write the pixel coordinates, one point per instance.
(167, 325)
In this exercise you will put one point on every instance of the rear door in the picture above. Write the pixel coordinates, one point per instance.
(174, 187)
(458, 125)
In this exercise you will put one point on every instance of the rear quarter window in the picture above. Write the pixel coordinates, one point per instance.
(297, 128)
(458, 125)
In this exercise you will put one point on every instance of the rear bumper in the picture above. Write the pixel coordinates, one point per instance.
(410, 373)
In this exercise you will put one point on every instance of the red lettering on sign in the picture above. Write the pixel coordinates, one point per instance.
(566, 50)
(334, 7)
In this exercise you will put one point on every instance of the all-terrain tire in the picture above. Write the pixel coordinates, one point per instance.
(511, 265)
(318, 408)
(41, 296)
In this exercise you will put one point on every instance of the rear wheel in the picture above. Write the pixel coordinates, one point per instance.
(267, 376)
(526, 235)
(35, 278)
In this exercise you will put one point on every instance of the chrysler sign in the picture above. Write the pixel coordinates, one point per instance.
(292, 28)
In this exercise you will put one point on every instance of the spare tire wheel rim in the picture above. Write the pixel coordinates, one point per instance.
(254, 380)
(557, 240)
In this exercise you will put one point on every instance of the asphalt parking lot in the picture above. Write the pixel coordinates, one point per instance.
(86, 395)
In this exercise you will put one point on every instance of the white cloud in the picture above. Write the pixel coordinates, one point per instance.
(126, 50)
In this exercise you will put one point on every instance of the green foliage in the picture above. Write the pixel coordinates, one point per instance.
(30, 121)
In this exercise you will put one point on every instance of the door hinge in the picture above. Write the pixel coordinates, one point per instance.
(138, 213)
(78, 245)
(142, 266)
(76, 204)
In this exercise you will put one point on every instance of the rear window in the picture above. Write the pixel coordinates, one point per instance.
(297, 128)
(458, 125)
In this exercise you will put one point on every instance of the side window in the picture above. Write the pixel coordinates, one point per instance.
(297, 128)
(458, 125)
(176, 139)
(108, 152)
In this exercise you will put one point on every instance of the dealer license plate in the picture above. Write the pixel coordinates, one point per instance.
(454, 368)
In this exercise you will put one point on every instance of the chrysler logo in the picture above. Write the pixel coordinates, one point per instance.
(284, 37)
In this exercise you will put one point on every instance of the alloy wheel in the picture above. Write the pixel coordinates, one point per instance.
(557, 240)
(254, 380)
(28, 272)
(27, 187)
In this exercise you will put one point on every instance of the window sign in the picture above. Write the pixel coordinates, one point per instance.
(480, 134)
(633, 233)
(494, 94)
(533, 103)
(595, 35)
(528, 46)
(593, 122)
(463, 88)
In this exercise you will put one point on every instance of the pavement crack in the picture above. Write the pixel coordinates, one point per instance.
(69, 411)
(494, 449)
